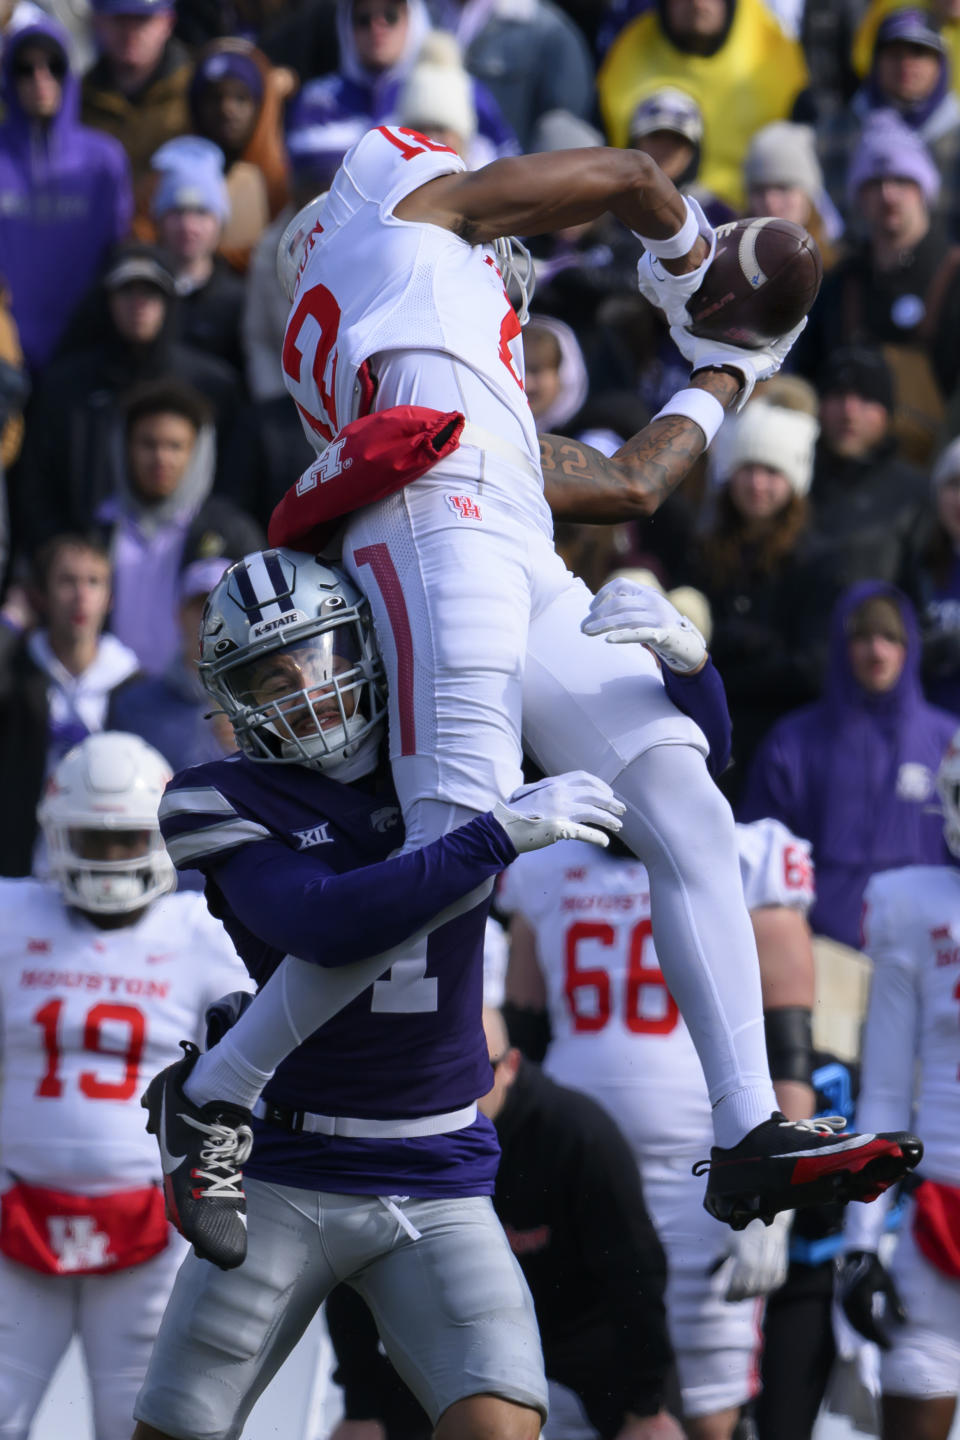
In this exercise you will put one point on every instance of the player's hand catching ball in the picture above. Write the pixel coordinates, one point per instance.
(670, 293)
(562, 807)
(753, 365)
(627, 613)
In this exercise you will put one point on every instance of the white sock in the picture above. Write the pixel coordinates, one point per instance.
(681, 827)
(223, 1073)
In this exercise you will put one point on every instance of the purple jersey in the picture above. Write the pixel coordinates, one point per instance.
(298, 864)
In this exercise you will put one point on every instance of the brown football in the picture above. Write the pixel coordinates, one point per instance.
(762, 280)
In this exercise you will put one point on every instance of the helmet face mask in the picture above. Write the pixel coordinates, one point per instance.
(99, 820)
(287, 650)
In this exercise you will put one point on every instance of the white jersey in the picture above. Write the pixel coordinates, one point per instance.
(421, 308)
(87, 1016)
(911, 1056)
(775, 866)
(616, 1029)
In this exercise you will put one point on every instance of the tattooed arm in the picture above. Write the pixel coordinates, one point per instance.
(584, 486)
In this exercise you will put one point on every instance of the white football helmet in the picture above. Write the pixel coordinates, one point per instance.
(295, 243)
(107, 788)
(287, 650)
(948, 788)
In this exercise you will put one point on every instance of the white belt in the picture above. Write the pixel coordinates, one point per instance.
(482, 439)
(351, 1128)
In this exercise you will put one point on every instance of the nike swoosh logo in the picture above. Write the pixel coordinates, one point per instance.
(169, 1161)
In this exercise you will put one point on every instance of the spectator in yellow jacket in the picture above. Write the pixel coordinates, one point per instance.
(945, 14)
(731, 55)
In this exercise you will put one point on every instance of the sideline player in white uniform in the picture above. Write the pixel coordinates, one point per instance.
(400, 300)
(101, 973)
(582, 950)
(911, 1066)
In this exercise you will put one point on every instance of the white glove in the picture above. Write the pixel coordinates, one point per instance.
(629, 613)
(670, 293)
(757, 1262)
(562, 807)
(753, 365)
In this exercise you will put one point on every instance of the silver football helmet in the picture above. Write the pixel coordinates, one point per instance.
(948, 789)
(98, 815)
(287, 650)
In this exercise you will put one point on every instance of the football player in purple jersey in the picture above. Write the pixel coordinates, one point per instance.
(369, 1159)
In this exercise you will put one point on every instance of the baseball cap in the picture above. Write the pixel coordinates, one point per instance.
(913, 27)
(668, 109)
(138, 264)
(133, 7)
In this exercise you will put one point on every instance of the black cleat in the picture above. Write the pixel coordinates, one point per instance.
(787, 1164)
(202, 1149)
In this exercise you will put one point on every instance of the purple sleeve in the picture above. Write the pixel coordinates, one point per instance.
(704, 699)
(770, 792)
(294, 904)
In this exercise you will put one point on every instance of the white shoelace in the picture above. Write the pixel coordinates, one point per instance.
(821, 1125)
(225, 1149)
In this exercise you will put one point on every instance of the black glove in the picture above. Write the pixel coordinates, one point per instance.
(868, 1296)
(224, 1013)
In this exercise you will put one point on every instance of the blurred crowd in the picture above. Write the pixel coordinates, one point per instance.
(151, 155)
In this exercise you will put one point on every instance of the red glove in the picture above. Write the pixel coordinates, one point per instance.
(367, 460)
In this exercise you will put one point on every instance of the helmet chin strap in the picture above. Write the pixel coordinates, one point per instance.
(333, 754)
(359, 762)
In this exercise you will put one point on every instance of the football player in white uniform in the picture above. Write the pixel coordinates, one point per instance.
(399, 298)
(102, 972)
(582, 950)
(911, 1066)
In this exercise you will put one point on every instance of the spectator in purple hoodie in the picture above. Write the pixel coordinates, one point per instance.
(854, 773)
(380, 42)
(65, 190)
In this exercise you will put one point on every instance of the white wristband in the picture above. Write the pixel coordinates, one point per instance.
(674, 246)
(702, 408)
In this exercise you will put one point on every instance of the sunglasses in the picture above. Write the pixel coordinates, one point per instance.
(26, 69)
(390, 15)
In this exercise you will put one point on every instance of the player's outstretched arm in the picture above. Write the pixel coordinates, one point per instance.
(585, 486)
(535, 194)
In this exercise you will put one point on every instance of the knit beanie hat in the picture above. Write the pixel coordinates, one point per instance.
(858, 370)
(438, 93)
(784, 154)
(889, 149)
(770, 435)
(191, 177)
(562, 130)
